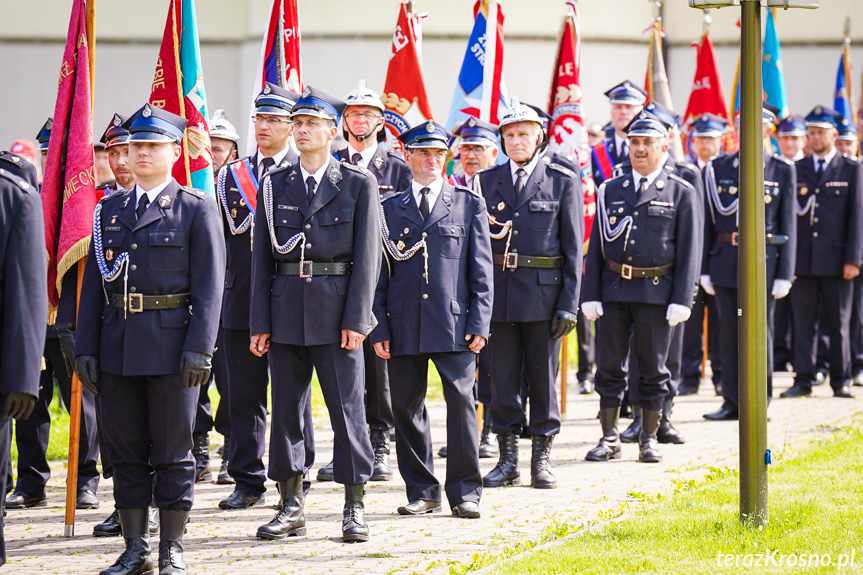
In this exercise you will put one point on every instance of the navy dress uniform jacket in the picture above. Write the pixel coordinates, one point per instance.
(388, 168)
(238, 267)
(833, 235)
(666, 230)
(23, 287)
(780, 182)
(176, 247)
(547, 221)
(419, 317)
(342, 224)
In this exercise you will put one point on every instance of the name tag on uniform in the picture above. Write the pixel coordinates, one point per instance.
(112, 229)
(289, 208)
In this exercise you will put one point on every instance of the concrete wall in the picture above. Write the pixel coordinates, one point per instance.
(345, 40)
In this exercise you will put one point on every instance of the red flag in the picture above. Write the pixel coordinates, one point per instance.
(708, 96)
(567, 134)
(405, 96)
(69, 188)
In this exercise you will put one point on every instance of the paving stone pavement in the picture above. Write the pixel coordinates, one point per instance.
(223, 541)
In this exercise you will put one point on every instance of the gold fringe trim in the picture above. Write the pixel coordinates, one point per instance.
(52, 315)
(44, 364)
(78, 250)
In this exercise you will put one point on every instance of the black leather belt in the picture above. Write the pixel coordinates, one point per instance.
(309, 269)
(138, 302)
(629, 272)
(514, 260)
(734, 239)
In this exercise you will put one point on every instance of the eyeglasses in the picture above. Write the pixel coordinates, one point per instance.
(270, 120)
(594, 134)
(369, 116)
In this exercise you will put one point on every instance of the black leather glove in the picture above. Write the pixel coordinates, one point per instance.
(195, 368)
(66, 335)
(562, 323)
(17, 404)
(87, 368)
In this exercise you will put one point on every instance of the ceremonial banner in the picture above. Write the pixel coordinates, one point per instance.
(567, 133)
(708, 96)
(69, 188)
(178, 87)
(656, 83)
(405, 97)
(771, 69)
(843, 99)
(280, 61)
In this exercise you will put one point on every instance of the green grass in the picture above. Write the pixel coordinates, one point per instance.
(816, 502)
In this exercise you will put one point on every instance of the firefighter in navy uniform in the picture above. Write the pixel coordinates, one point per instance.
(363, 125)
(32, 435)
(24, 300)
(316, 263)
(434, 298)
(537, 217)
(829, 252)
(639, 279)
(236, 187)
(720, 272)
(688, 172)
(627, 100)
(147, 323)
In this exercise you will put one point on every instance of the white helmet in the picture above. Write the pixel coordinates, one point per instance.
(220, 127)
(363, 96)
(519, 112)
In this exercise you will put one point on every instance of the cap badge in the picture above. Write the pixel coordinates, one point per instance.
(117, 120)
(818, 110)
(147, 112)
(430, 127)
(307, 92)
(378, 162)
(267, 89)
(471, 122)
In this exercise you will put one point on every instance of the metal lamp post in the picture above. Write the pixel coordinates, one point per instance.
(752, 302)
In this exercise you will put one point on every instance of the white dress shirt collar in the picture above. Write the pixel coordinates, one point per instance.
(151, 194)
(434, 191)
(366, 155)
(828, 157)
(528, 168)
(636, 177)
(259, 160)
(318, 176)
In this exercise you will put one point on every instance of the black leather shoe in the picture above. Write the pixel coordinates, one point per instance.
(633, 432)
(86, 499)
(666, 432)
(724, 413)
(173, 525)
(241, 499)
(442, 452)
(796, 391)
(135, 559)
(201, 452)
(843, 391)
(290, 520)
(325, 473)
(381, 446)
(109, 527)
(19, 500)
(688, 388)
(506, 471)
(354, 526)
(420, 507)
(541, 476)
(466, 510)
(224, 477)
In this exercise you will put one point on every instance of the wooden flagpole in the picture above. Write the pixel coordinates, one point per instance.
(75, 407)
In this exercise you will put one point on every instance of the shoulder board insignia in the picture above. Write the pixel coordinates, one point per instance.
(668, 168)
(466, 189)
(276, 169)
(680, 180)
(21, 183)
(359, 169)
(395, 154)
(562, 169)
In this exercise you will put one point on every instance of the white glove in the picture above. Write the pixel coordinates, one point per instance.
(592, 310)
(707, 285)
(780, 288)
(677, 314)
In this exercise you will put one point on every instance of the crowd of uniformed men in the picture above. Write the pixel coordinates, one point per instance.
(366, 264)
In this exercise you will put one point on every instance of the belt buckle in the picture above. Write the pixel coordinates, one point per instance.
(626, 272)
(510, 261)
(136, 303)
(735, 239)
(303, 265)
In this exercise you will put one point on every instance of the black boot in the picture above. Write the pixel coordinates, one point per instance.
(325, 473)
(506, 470)
(290, 520)
(224, 477)
(201, 451)
(381, 446)
(631, 433)
(487, 447)
(354, 526)
(666, 432)
(109, 527)
(135, 560)
(540, 472)
(647, 444)
(609, 446)
(171, 541)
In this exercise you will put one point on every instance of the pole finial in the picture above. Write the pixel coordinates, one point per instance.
(847, 30)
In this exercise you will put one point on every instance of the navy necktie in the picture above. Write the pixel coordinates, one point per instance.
(142, 206)
(424, 203)
(310, 188)
(356, 159)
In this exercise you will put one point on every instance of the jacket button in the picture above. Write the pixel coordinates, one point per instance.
(308, 226)
(425, 296)
(425, 234)
(110, 241)
(629, 258)
(634, 227)
(815, 220)
(632, 242)
(284, 221)
(515, 215)
(635, 213)
(515, 232)
(134, 246)
(133, 289)
(133, 267)
(814, 234)
(308, 280)
(167, 240)
(308, 246)
(336, 219)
